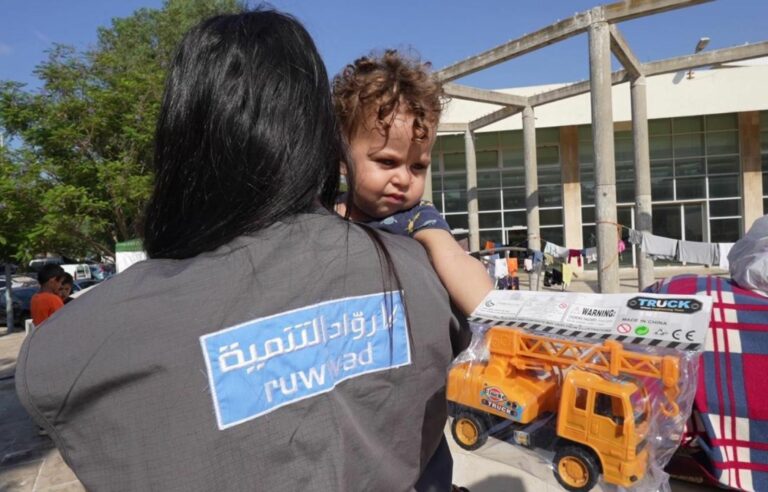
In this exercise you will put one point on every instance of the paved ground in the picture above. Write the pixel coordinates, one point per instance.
(29, 462)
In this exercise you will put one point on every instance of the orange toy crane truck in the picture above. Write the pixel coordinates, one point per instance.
(573, 398)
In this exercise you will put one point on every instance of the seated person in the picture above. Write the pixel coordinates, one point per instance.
(730, 411)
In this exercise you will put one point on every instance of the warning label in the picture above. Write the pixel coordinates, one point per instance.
(673, 319)
(597, 318)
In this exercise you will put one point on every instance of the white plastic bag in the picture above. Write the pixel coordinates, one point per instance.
(748, 258)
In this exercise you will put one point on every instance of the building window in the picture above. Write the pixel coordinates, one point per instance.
(695, 179)
(489, 200)
(695, 162)
(455, 162)
(487, 159)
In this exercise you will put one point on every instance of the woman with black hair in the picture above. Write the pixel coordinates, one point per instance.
(266, 344)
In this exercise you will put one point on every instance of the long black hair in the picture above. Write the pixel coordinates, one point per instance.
(246, 134)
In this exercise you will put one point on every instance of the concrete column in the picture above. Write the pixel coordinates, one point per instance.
(605, 167)
(751, 168)
(569, 161)
(531, 179)
(474, 223)
(643, 210)
(428, 183)
(8, 300)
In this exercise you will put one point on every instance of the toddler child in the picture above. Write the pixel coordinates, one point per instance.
(388, 108)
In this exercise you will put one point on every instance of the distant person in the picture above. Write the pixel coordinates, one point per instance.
(47, 300)
(267, 343)
(66, 288)
(388, 108)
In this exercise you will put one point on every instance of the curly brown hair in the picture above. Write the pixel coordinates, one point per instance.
(378, 84)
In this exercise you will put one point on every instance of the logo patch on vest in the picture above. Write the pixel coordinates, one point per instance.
(267, 363)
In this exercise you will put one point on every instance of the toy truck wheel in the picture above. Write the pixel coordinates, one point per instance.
(576, 468)
(469, 430)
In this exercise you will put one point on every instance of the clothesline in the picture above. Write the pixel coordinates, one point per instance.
(504, 270)
(657, 248)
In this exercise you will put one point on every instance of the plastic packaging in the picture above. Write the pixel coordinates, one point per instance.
(596, 387)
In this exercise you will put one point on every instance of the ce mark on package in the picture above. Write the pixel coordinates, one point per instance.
(684, 335)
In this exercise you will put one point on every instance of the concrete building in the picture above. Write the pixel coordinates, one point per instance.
(708, 149)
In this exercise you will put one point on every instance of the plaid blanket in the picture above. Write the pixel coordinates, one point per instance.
(730, 416)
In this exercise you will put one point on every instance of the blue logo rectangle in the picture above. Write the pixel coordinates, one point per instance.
(266, 363)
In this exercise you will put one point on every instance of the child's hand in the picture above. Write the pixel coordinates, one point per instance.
(408, 222)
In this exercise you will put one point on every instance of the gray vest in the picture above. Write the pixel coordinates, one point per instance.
(285, 360)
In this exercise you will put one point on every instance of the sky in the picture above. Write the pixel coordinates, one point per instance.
(441, 31)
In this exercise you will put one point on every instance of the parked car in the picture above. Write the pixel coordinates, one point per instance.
(101, 271)
(18, 281)
(21, 298)
(77, 270)
(38, 263)
(84, 284)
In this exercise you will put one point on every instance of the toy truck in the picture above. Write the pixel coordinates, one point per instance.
(577, 399)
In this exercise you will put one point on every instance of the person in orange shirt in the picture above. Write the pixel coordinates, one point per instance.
(47, 301)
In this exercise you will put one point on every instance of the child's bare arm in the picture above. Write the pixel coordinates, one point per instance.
(463, 276)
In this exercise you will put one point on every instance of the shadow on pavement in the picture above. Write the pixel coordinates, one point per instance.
(498, 483)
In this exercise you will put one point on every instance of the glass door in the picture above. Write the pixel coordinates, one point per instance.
(667, 222)
(694, 222)
(686, 221)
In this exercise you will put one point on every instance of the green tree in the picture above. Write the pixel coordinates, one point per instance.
(79, 172)
(16, 203)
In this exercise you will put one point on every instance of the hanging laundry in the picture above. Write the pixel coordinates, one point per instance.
(556, 250)
(512, 266)
(659, 248)
(635, 237)
(528, 264)
(500, 268)
(548, 259)
(723, 250)
(490, 245)
(538, 257)
(505, 283)
(574, 253)
(622, 246)
(490, 264)
(567, 274)
(590, 255)
(697, 252)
